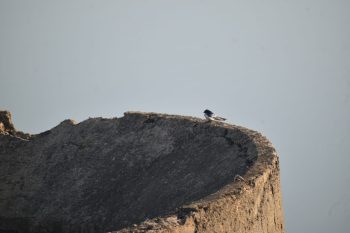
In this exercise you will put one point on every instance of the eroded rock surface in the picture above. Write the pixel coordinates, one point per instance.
(6, 124)
(144, 172)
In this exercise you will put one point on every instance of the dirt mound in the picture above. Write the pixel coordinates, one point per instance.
(160, 172)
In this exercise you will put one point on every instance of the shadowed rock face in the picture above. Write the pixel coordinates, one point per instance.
(107, 174)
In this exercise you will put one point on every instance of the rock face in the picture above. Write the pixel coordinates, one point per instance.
(6, 124)
(144, 172)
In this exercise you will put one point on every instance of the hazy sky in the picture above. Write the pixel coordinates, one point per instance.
(281, 67)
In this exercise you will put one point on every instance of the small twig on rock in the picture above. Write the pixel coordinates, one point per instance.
(238, 178)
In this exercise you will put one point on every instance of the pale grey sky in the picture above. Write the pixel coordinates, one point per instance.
(281, 67)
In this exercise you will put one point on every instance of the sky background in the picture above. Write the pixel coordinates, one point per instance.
(281, 67)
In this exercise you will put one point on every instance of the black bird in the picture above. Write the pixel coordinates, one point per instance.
(209, 115)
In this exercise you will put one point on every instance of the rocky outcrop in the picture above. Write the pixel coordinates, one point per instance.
(6, 125)
(144, 172)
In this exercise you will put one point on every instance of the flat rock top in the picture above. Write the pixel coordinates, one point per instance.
(106, 174)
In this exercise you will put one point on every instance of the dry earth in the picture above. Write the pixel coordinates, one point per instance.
(144, 172)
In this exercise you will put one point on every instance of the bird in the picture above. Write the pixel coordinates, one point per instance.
(209, 115)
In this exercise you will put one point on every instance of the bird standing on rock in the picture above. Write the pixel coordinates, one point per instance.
(209, 115)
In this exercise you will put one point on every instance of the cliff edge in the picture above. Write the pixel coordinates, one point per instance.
(144, 172)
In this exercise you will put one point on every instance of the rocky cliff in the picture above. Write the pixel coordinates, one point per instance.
(144, 172)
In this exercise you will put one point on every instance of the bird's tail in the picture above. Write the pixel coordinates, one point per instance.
(219, 118)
